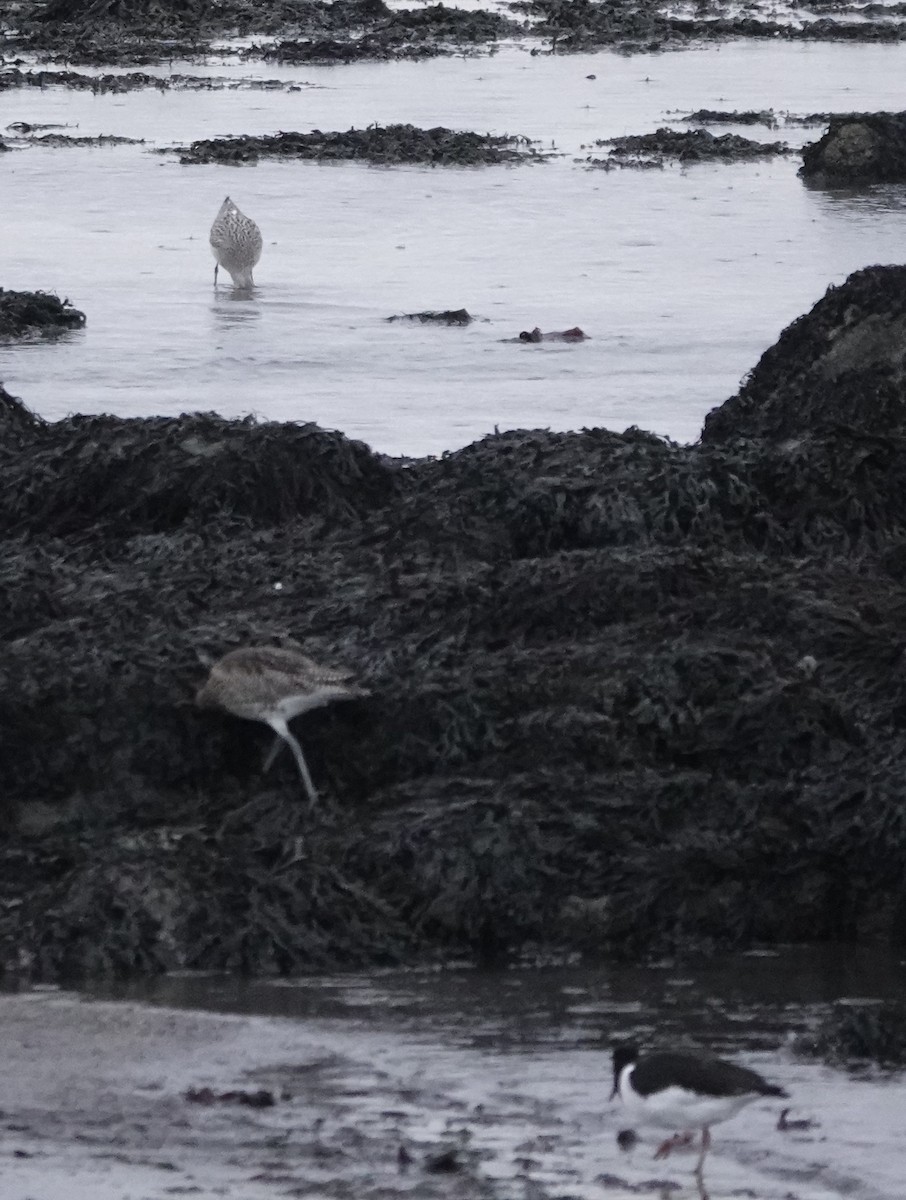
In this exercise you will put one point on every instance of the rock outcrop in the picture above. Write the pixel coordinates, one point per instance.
(858, 148)
(627, 697)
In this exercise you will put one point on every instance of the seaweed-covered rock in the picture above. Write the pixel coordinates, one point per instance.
(804, 120)
(130, 81)
(720, 116)
(16, 419)
(405, 33)
(582, 25)
(27, 314)
(532, 493)
(126, 11)
(843, 363)
(384, 144)
(626, 697)
(66, 141)
(858, 149)
(454, 24)
(339, 31)
(876, 1032)
(447, 316)
(698, 145)
(824, 29)
(143, 31)
(167, 472)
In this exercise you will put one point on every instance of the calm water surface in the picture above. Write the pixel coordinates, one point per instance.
(517, 1062)
(681, 277)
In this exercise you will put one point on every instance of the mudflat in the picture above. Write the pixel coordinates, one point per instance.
(94, 1106)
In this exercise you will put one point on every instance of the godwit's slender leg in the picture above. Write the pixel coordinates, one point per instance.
(700, 1165)
(272, 753)
(216, 269)
(281, 728)
(272, 685)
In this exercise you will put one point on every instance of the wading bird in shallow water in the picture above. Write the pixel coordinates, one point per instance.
(236, 244)
(273, 685)
(685, 1092)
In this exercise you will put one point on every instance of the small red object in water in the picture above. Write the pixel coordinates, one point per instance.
(676, 1142)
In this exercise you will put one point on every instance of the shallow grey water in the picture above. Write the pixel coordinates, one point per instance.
(517, 1064)
(681, 278)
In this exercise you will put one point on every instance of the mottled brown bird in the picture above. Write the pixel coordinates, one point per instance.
(273, 685)
(236, 244)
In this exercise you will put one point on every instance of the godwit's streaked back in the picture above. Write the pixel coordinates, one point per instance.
(235, 243)
(265, 683)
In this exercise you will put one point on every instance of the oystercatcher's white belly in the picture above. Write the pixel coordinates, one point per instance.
(677, 1109)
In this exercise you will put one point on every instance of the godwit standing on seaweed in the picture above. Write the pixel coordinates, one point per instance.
(236, 244)
(265, 683)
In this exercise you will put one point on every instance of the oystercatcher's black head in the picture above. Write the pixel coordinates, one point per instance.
(623, 1056)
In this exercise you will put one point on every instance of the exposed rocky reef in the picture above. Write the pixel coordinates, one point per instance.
(853, 345)
(36, 314)
(408, 34)
(857, 149)
(719, 116)
(627, 697)
(384, 144)
(132, 81)
(684, 147)
(138, 32)
(817, 118)
(146, 31)
(64, 141)
(446, 316)
(853, 1033)
(15, 419)
(582, 25)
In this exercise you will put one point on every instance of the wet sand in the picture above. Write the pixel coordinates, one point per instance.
(92, 1107)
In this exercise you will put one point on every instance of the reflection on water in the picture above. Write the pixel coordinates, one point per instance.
(880, 199)
(754, 999)
(236, 306)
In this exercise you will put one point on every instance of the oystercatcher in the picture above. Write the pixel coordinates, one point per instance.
(685, 1092)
